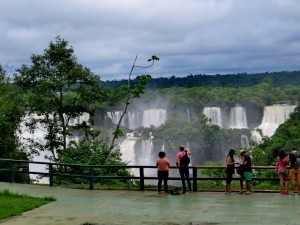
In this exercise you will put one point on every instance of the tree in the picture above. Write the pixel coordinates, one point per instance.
(10, 117)
(131, 93)
(58, 89)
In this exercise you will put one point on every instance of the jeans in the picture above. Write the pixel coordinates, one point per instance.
(185, 175)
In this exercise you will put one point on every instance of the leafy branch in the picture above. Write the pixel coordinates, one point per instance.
(131, 93)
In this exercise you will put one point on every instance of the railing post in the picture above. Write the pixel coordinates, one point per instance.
(11, 173)
(91, 179)
(142, 180)
(194, 179)
(50, 175)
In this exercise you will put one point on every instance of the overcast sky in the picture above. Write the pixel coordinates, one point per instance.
(189, 36)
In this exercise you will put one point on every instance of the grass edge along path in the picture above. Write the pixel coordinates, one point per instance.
(12, 204)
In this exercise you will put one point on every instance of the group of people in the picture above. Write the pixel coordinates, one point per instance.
(182, 162)
(283, 161)
(244, 169)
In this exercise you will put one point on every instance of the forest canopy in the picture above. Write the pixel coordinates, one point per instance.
(217, 80)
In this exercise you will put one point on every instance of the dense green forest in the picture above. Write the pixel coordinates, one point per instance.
(229, 80)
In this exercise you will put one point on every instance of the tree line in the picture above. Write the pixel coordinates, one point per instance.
(228, 80)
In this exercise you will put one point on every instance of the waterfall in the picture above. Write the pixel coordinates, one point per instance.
(145, 153)
(163, 147)
(188, 115)
(133, 119)
(238, 118)
(136, 151)
(154, 117)
(39, 136)
(274, 116)
(214, 114)
(245, 141)
(115, 117)
(127, 149)
(255, 136)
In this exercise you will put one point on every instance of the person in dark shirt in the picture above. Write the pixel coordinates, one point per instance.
(247, 169)
(294, 170)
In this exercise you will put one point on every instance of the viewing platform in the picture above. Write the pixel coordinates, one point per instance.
(112, 207)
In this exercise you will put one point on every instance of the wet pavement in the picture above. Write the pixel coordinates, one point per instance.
(111, 207)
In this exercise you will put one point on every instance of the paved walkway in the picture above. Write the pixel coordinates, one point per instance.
(99, 207)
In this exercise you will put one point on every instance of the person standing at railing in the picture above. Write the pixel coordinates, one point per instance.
(230, 170)
(183, 168)
(247, 169)
(282, 163)
(163, 165)
(294, 158)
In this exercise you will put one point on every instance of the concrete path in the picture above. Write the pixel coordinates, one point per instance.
(99, 207)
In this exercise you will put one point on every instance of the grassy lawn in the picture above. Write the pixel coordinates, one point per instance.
(12, 204)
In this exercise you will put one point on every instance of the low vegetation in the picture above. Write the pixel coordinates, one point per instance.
(12, 204)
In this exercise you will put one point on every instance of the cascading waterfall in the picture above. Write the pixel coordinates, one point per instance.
(127, 149)
(115, 117)
(255, 136)
(214, 114)
(136, 151)
(38, 136)
(238, 118)
(133, 119)
(163, 147)
(154, 117)
(188, 115)
(274, 116)
(245, 141)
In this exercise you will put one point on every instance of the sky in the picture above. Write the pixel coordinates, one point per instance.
(189, 36)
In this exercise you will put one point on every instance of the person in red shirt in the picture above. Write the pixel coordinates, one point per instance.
(163, 165)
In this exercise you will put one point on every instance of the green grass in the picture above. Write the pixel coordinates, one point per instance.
(12, 204)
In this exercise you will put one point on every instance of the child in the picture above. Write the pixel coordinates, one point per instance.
(162, 165)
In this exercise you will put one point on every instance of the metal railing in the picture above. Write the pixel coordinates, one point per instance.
(13, 167)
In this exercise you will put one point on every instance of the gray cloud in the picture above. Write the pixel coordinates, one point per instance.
(190, 37)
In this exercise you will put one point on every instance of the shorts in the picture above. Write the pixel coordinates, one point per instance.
(248, 176)
(294, 173)
(282, 172)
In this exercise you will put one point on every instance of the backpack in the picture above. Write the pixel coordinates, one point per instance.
(297, 162)
(185, 159)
